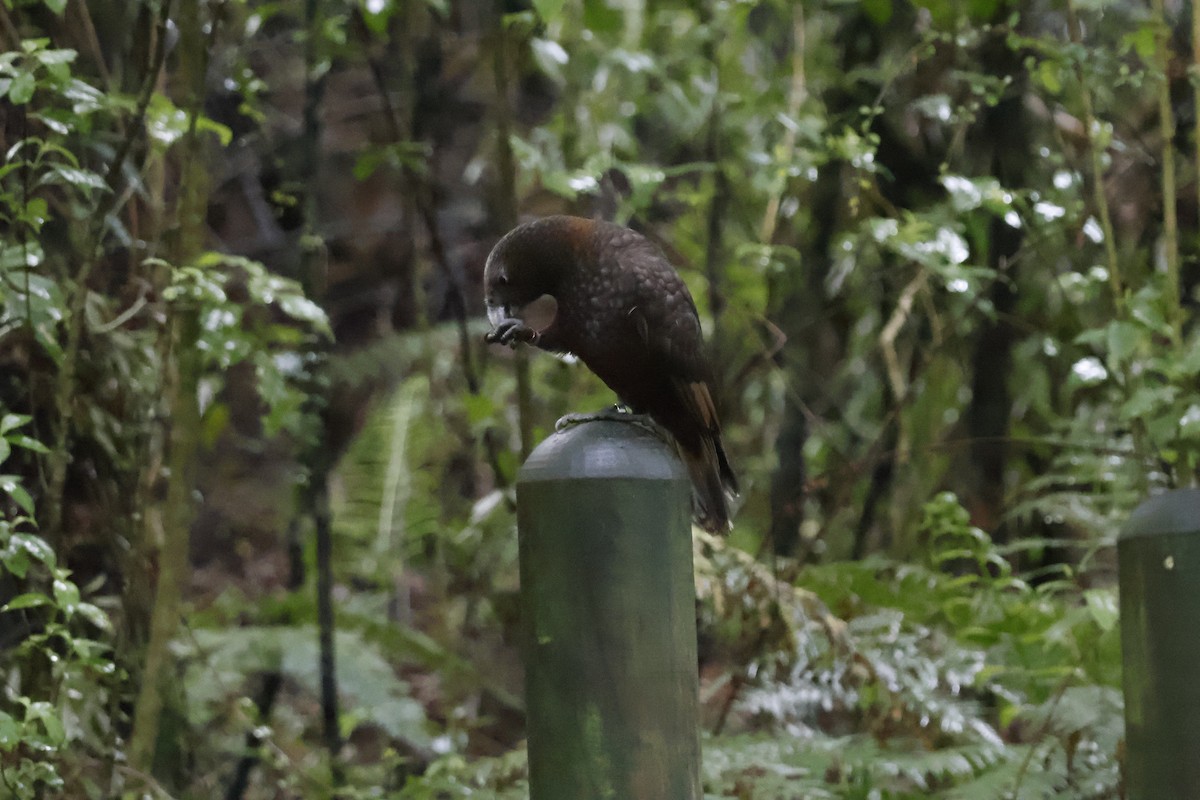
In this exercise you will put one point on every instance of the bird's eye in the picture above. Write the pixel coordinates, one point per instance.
(502, 280)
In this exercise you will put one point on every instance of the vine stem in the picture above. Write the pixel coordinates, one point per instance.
(1059, 692)
(1196, 90)
(1099, 198)
(507, 194)
(719, 202)
(797, 94)
(1166, 126)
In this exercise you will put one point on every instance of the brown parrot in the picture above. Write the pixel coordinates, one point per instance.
(621, 308)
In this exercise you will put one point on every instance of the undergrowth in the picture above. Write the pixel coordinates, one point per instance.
(952, 678)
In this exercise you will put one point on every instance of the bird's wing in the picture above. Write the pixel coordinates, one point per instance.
(669, 327)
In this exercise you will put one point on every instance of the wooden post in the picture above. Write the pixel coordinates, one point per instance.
(1159, 565)
(608, 598)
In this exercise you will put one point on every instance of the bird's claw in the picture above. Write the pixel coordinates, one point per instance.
(616, 413)
(509, 332)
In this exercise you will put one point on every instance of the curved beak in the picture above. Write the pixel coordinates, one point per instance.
(498, 313)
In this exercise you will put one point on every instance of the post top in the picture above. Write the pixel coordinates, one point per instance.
(603, 446)
(1169, 513)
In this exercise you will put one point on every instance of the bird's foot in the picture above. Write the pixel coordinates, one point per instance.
(510, 331)
(614, 413)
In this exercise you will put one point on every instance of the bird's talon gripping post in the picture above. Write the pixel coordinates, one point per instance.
(615, 413)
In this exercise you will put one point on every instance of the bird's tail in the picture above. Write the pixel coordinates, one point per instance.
(714, 486)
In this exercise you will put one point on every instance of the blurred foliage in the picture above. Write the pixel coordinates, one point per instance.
(953, 331)
(886, 679)
(59, 673)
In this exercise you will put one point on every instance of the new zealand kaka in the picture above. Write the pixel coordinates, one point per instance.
(625, 312)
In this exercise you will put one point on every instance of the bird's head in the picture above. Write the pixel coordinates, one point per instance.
(526, 268)
(510, 283)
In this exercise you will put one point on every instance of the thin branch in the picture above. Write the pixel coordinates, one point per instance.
(797, 94)
(1043, 729)
(719, 202)
(326, 624)
(12, 36)
(1196, 94)
(272, 679)
(887, 342)
(272, 682)
(93, 41)
(318, 462)
(507, 194)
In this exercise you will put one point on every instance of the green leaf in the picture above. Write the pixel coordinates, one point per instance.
(85, 97)
(1049, 74)
(27, 600)
(1102, 605)
(1123, 339)
(967, 194)
(878, 11)
(33, 546)
(75, 177)
(222, 132)
(58, 55)
(35, 212)
(1151, 315)
(301, 309)
(11, 485)
(214, 422)
(28, 442)
(57, 6)
(48, 715)
(550, 57)
(549, 10)
(480, 407)
(11, 732)
(368, 161)
(11, 421)
(1149, 400)
(377, 14)
(21, 90)
(1189, 423)
(67, 595)
(600, 17)
(1143, 41)
(15, 561)
(983, 10)
(165, 122)
(94, 615)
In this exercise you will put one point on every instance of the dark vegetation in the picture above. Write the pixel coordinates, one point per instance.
(258, 537)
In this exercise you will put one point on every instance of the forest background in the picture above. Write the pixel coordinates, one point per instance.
(257, 462)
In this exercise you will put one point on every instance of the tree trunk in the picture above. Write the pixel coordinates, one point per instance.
(1004, 139)
(183, 369)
